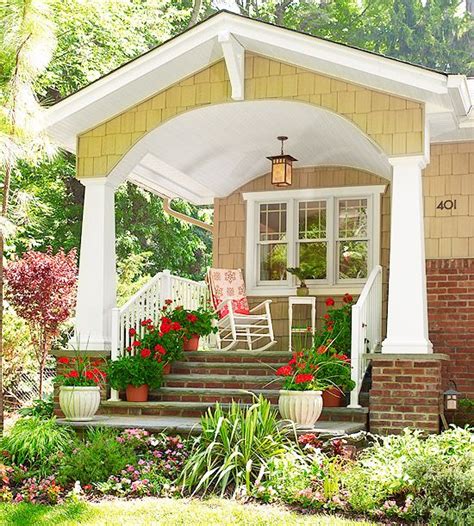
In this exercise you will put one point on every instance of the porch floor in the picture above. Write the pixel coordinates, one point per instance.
(190, 425)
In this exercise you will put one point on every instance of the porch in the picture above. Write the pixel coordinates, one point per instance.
(198, 122)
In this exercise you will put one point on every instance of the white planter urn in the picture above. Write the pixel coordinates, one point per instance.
(302, 407)
(79, 404)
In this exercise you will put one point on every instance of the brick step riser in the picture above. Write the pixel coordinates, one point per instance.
(222, 358)
(171, 411)
(252, 370)
(224, 384)
(211, 399)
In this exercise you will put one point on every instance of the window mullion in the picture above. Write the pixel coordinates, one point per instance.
(292, 236)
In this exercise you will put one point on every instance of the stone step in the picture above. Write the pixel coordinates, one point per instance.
(196, 409)
(212, 395)
(224, 368)
(190, 425)
(235, 381)
(239, 356)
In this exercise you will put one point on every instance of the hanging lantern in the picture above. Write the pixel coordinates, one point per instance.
(282, 166)
(451, 397)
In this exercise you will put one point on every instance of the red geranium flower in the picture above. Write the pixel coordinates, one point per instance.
(89, 375)
(330, 302)
(128, 349)
(304, 378)
(292, 361)
(168, 302)
(175, 326)
(191, 317)
(347, 298)
(165, 320)
(341, 357)
(73, 374)
(63, 359)
(165, 327)
(132, 331)
(286, 370)
(145, 353)
(327, 317)
(301, 365)
(136, 343)
(160, 349)
(322, 349)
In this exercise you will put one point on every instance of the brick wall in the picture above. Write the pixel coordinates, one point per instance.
(451, 318)
(406, 392)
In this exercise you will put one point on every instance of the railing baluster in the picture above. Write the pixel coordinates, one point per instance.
(366, 329)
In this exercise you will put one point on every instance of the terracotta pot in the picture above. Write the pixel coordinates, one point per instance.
(79, 403)
(333, 397)
(167, 368)
(137, 394)
(302, 407)
(191, 344)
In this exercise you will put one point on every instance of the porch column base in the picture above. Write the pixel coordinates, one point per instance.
(406, 393)
(394, 347)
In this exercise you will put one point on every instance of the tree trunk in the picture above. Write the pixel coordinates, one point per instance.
(195, 14)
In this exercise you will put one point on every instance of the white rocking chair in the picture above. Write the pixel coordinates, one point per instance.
(236, 321)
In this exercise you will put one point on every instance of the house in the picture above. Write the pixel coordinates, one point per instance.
(384, 177)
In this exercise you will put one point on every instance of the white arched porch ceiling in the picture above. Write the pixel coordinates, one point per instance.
(212, 151)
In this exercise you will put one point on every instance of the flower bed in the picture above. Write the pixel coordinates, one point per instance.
(244, 452)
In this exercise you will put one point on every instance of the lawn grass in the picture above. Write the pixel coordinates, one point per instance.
(158, 512)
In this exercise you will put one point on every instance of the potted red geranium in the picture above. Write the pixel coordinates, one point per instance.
(308, 375)
(164, 339)
(136, 374)
(195, 323)
(79, 387)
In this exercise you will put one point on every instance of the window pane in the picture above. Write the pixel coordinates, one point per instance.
(352, 218)
(312, 220)
(313, 259)
(273, 262)
(352, 259)
(273, 222)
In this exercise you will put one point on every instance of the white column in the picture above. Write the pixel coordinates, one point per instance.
(97, 272)
(407, 318)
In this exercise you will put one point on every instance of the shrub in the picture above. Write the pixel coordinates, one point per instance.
(96, 458)
(234, 448)
(42, 408)
(36, 443)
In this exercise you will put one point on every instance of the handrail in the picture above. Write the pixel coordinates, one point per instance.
(140, 292)
(366, 333)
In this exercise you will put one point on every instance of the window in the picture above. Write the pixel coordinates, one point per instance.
(331, 233)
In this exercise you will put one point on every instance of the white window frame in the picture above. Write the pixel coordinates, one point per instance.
(330, 285)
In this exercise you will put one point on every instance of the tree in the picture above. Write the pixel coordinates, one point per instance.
(27, 36)
(42, 290)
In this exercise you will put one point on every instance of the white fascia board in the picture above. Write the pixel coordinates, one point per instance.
(458, 89)
(135, 69)
(333, 53)
(234, 55)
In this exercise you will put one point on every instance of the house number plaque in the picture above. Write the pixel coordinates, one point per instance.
(447, 204)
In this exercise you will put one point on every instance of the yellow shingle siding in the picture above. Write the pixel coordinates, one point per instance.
(395, 124)
(449, 179)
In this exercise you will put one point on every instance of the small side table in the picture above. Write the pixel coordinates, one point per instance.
(300, 300)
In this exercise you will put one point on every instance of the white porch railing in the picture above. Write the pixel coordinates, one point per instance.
(148, 301)
(366, 329)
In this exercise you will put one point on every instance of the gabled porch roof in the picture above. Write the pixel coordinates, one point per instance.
(448, 98)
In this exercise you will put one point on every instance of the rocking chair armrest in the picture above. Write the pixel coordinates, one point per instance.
(225, 302)
(260, 305)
